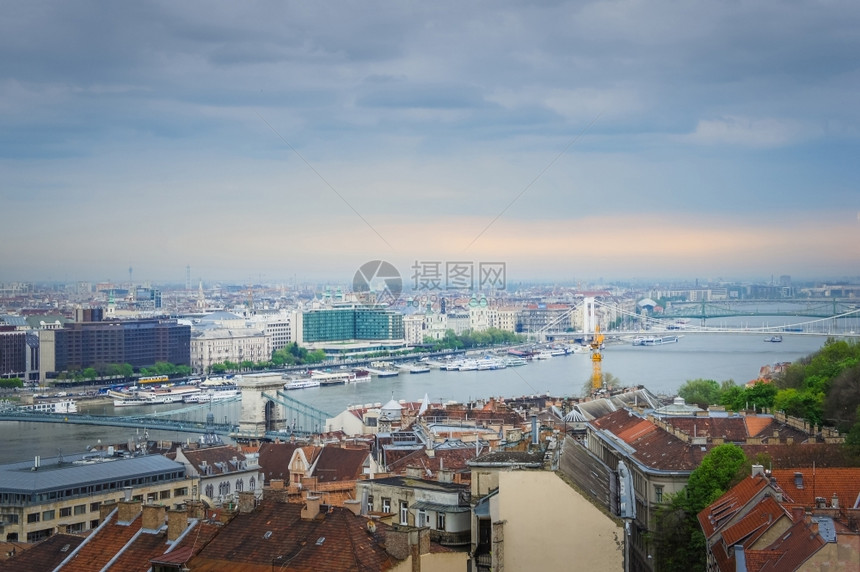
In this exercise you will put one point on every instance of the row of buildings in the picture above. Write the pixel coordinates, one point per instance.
(497, 484)
(38, 347)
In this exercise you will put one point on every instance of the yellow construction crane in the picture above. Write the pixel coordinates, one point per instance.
(596, 360)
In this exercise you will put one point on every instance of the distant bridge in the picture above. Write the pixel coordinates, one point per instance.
(306, 419)
(749, 308)
(143, 422)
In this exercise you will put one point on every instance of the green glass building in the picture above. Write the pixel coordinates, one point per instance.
(352, 323)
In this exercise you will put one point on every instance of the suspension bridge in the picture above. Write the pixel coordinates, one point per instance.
(300, 419)
(811, 319)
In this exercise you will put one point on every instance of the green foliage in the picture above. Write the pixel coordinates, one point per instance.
(11, 383)
(467, 340)
(702, 392)
(294, 354)
(803, 404)
(824, 387)
(162, 368)
(712, 478)
(678, 539)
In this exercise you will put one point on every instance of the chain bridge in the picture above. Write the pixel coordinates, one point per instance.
(267, 412)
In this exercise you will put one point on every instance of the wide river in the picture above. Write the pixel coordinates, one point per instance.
(662, 369)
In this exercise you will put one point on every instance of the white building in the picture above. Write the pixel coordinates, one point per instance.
(222, 472)
(413, 329)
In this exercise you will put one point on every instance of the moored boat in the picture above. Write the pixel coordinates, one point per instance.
(61, 407)
(301, 384)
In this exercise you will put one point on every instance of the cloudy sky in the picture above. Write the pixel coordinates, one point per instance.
(570, 140)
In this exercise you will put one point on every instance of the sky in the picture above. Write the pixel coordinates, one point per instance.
(295, 141)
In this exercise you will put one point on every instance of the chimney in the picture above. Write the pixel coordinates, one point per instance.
(311, 508)
(834, 502)
(196, 509)
(354, 506)
(247, 502)
(128, 511)
(153, 516)
(797, 513)
(757, 470)
(105, 509)
(813, 526)
(414, 472)
(740, 557)
(277, 484)
(445, 475)
(535, 436)
(177, 522)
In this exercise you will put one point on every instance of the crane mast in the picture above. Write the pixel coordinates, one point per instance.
(596, 360)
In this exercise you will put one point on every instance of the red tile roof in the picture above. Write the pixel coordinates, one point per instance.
(45, 555)
(757, 424)
(275, 535)
(109, 538)
(218, 458)
(721, 511)
(654, 447)
(453, 459)
(820, 482)
(337, 464)
(746, 531)
(275, 460)
(789, 551)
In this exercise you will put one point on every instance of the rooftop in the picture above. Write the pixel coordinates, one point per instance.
(82, 469)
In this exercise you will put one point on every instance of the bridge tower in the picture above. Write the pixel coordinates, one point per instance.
(589, 317)
(260, 414)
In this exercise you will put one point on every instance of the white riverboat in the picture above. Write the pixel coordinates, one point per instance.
(60, 407)
(301, 383)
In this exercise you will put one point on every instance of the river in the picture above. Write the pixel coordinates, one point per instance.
(662, 369)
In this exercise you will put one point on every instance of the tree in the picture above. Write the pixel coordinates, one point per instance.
(678, 539)
(714, 475)
(760, 395)
(11, 383)
(702, 392)
(843, 398)
(316, 356)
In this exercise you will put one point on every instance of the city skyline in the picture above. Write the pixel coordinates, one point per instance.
(571, 141)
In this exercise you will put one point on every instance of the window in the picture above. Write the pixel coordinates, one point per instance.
(404, 512)
(240, 485)
(94, 524)
(386, 505)
(658, 493)
(33, 517)
(77, 527)
(252, 482)
(440, 521)
(48, 515)
(422, 517)
(180, 492)
(80, 509)
(369, 503)
(67, 511)
(164, 495)
(94, 506)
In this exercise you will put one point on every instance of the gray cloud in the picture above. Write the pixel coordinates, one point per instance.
(417, 110)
